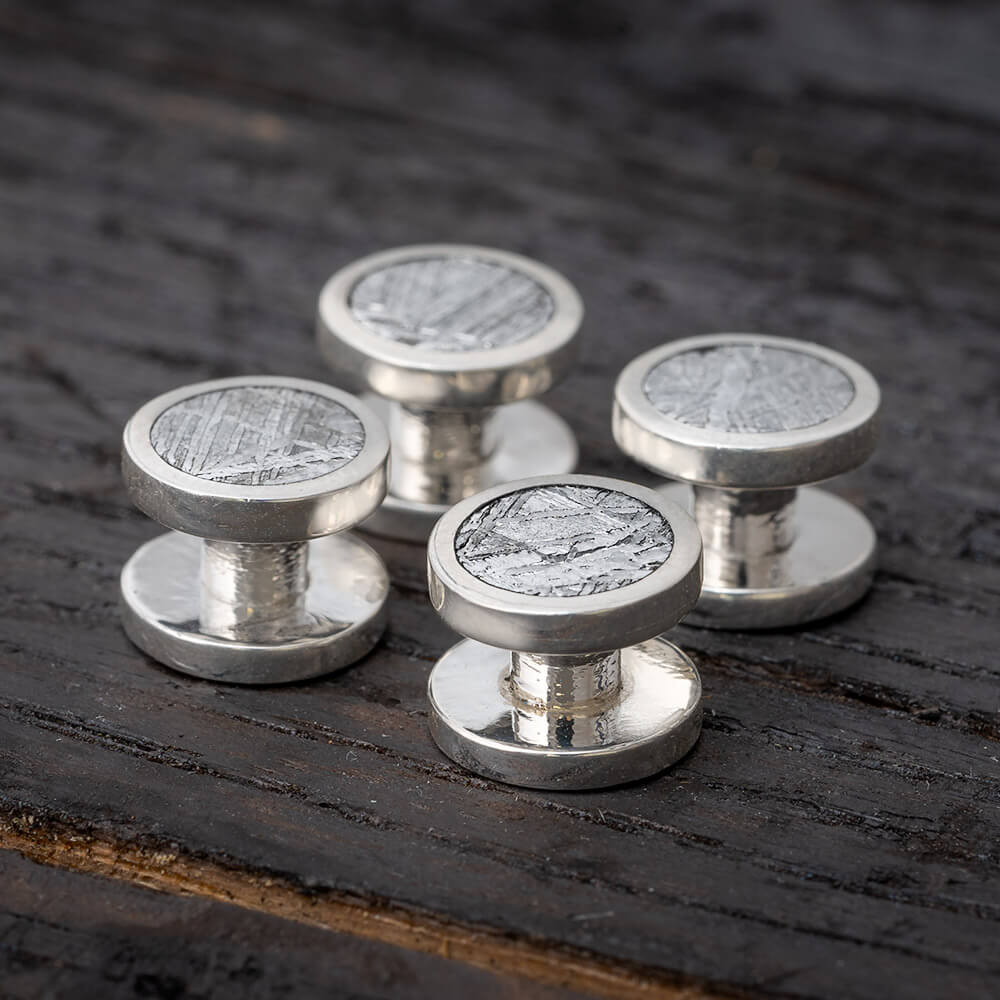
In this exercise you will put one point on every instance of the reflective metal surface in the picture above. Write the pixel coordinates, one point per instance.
(720, 428)
(819, 559)
(562, 583)
(746, 420)
(448, 340)
(646, 723)
(178, 608)
(252, 470)
(450, 337)
(525, 439)
(269, 459)
(589, 618)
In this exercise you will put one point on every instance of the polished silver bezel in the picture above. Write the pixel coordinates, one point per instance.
(605, 621)
(744, 460)
(448, 379)
(289, 512)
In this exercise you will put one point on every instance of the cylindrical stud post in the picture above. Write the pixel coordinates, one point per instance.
(451, 344)
(258, 583)
(253, 592)
(745, 533)
(745, 422)
(579, 574)
(570, 682)
(440, 456)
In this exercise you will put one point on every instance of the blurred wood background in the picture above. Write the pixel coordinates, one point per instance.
(176, 182)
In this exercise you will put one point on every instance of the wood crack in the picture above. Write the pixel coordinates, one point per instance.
(160, 866)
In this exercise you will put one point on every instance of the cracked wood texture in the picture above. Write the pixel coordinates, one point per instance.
(177, 181)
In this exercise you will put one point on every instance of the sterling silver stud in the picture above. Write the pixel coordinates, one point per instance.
(746, 419)
(450, 342)
(562, 584)
(259, 477)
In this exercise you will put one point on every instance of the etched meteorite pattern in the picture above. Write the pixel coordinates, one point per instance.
(748, 388)
(451, 304)
(257, 435)
(563, 541)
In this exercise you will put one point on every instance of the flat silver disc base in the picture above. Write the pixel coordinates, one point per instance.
(829, 566)
(533, 441)
(654, 721)
(344, 613)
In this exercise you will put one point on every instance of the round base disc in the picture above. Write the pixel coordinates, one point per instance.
(654, 722)
(344, 605)
(829, 566)
(534, 441)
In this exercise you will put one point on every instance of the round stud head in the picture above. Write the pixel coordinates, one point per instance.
(449, 325)
(564, 564)
(256, 459)
(746, 411)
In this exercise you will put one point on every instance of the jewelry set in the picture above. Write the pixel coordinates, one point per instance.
(563, 584)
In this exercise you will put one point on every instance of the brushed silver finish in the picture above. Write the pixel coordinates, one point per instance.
(747, 420)
(449, 336)
(259, 583)
(562, 584)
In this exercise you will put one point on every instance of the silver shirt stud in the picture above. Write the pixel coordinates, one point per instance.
(562, 584)
(258, 582)
(743, 421)
(450, 343)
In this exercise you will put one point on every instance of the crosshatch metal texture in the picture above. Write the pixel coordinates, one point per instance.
(746, 411)
(257, 435)
(563, 541)
(748, 388)
(451, 303)
(261, 463)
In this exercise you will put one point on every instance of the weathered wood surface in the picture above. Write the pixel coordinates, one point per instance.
(177, 180)
(68, 935)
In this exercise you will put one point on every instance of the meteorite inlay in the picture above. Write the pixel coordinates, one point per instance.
(563, 541)
(748, 388)
(451, 304)
(257, 435)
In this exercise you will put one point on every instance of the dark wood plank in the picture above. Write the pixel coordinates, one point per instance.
(71, 935)
(183, 179)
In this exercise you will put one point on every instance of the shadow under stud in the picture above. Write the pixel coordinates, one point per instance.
(259, 477)
(746, 420)
(451, 342)
(563, 585)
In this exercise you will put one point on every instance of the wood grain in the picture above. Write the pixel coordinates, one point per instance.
(180, 179)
